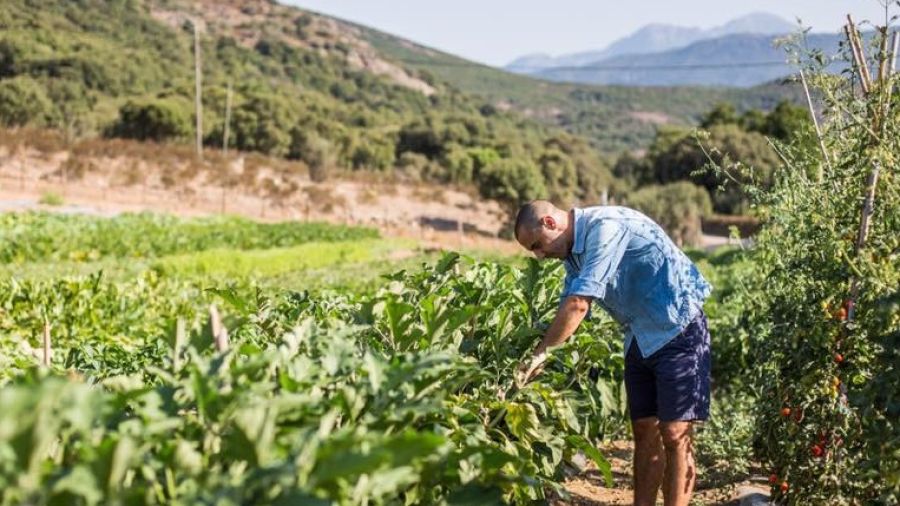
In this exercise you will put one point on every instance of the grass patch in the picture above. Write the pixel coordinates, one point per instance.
(277, 261)
(51, 199)
(356, 266)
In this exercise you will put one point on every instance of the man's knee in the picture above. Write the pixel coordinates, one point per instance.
(646, 431)
(675, 435)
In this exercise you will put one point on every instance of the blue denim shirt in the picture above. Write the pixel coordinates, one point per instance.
(628, 265)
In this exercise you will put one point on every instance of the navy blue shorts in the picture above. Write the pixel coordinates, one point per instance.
(673, 383)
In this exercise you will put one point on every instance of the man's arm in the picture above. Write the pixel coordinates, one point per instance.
(569, 315)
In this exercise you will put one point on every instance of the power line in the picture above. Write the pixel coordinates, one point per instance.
(595, 67)
(686, 66)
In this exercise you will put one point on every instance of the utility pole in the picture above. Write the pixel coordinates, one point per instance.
(198, 90)
(227, 119)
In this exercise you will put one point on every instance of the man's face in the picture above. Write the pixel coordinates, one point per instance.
(548, 241)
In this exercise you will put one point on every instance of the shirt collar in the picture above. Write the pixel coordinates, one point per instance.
(578, 231)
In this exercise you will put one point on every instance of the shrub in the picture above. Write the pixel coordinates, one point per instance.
(156, 120)
(23, 101)
(512, 181)
(263, 123)
(677, 207)
(51, 199)
(315, 151)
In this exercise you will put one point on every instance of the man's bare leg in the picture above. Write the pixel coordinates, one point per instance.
(649, 461)
(680, 473)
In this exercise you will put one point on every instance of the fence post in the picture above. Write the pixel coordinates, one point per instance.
(48, 350)
(198, 91)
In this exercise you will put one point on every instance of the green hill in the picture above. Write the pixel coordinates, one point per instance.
(325, 92)
(613, 118)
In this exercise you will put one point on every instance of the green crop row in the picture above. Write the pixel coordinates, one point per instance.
(402, 396)
(28, 237)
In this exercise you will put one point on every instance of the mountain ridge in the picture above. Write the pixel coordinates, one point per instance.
(655, 37)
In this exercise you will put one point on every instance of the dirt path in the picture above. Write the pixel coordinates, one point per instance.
(588, 488)
(124, 176)
(435, 224)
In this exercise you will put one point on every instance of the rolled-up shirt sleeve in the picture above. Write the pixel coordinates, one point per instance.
(570, 277)
(605, 246)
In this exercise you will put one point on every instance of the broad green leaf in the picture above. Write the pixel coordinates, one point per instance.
(594, 454)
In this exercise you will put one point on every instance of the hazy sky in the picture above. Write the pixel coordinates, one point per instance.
(497, 31)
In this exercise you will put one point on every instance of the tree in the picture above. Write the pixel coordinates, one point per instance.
(154, 120)
(754, 120)
(722, 114)
(316, 151)
(787, 122)
(23, 101)
(559, 174)
(685, 161)
(263, 123)
(512, 181)
(677, 207)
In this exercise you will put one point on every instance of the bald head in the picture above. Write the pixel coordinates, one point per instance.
(544, 229)
(529, 217)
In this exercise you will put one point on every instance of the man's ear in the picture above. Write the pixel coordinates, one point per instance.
(549, 222)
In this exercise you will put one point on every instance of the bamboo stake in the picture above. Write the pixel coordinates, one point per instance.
(895, 46)
(220, 333)
(882, 57)
(884, 74)
(867, 210)
(198, 90)
(48, 351)
(812, 113)
(180, 339)
(860, 54)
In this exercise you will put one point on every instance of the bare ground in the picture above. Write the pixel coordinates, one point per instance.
(113, 176)
(443, 218)
(588, 488)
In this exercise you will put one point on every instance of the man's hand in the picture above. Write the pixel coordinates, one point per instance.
(568, 317)
(528, 371)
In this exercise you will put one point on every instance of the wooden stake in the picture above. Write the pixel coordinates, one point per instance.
(884, 73)
(859, 53)
(180, 340)
(220, 333)
(867, 210)
(895, 46)
(812, 113)
(198, 91)
(48, 351)
(227, 119)
(883, 57)
(864, 84)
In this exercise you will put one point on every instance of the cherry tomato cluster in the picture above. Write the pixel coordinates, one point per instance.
(773, 480)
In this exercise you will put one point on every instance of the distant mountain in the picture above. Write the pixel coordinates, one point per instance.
(96, 67)
(741, 60)
(761, 23)
(655, 38)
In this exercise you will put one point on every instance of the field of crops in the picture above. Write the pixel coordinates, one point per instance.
(404, 391)
(292, 364)
(152, 360)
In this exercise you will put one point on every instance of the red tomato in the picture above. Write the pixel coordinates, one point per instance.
(784, 486)
(773, 478)
(785, 411)
(841, 314)
(838, 358)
